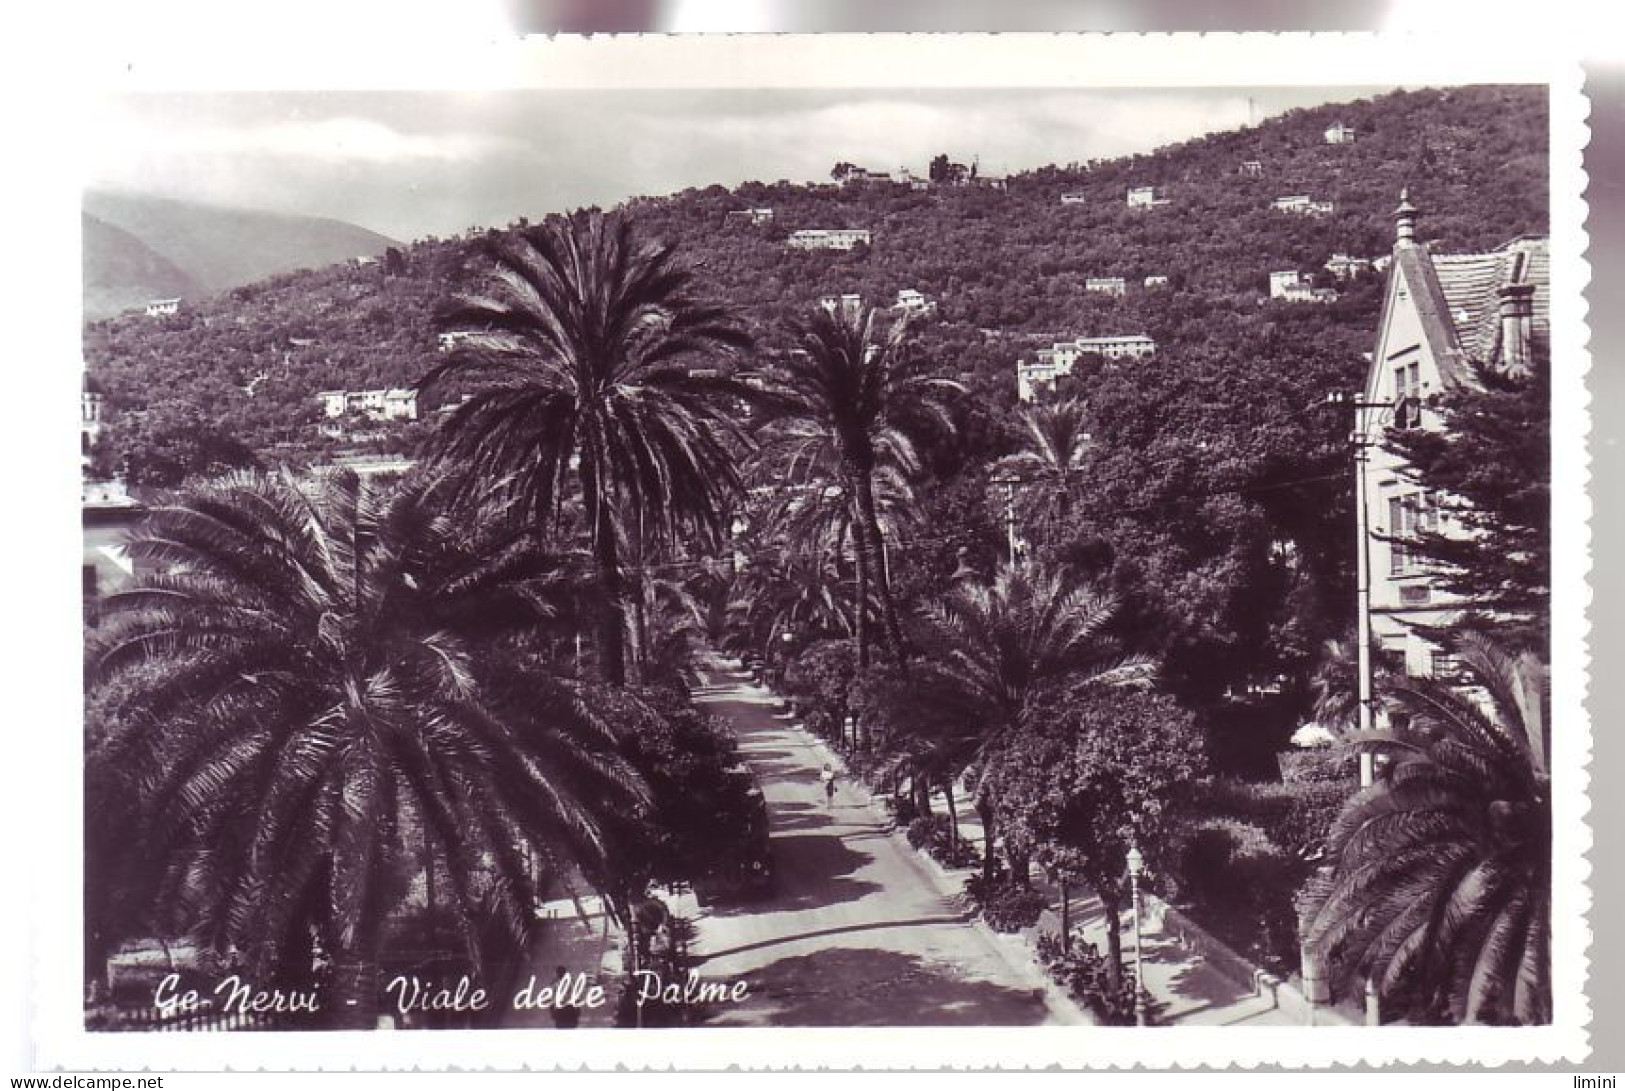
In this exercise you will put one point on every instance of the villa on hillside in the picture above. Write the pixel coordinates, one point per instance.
(1303, 205)
(1252, 168)
(828, 239)
(162, 308)
(1339, 133)
(905, 177)
(1074, 198)
(1107, 285)
(379, 405)
(913, 301)
(1344, 267)
(846, 303)
(753, 216)
(852, 174)
(1439, 312)
(1146, 197)
(1292, 286)
(1052, 363)
(1156, 280)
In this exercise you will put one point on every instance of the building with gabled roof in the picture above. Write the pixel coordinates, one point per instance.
(1439, 313)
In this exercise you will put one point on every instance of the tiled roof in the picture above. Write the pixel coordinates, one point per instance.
(1458, 298)
(1471, 283)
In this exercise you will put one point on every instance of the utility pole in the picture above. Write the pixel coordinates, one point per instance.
(1360, 441)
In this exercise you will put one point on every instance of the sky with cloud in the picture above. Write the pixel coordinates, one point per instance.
(410, 164)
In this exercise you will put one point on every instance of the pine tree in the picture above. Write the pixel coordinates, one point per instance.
(1489, 469)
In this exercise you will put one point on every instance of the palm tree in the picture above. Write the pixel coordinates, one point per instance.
(1440, 888)
(851, 400)
(997, 648)
(585, 351)
(1055, 442)
(799, 595)
(340, 660)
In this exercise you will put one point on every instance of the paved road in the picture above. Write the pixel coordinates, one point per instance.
(858, 932)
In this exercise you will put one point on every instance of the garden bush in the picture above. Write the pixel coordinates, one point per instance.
(1086, 975)
(903, 810)
(1007, 905)
(934, 834)
(1241, 885)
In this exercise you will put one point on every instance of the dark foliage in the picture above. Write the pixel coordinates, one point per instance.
(1006, 904)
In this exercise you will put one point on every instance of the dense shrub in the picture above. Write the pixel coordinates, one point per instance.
(903, 809)
(1086, 975)
(1007, 905)
(1326, 765)
(934, 834)
(1241, 884)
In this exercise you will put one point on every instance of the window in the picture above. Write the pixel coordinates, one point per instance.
(1408, 395)
(1408, 516)
(1446, 667)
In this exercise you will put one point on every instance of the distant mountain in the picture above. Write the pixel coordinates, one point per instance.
(122, 272)
(220, 248)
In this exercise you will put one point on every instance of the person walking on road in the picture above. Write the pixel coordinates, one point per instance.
(828, 777)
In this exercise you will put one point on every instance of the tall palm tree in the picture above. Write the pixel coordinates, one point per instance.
(1055, 443)
(588, 355)
(850, 400)
(339, 659)
(995, 649)
(1440, 890)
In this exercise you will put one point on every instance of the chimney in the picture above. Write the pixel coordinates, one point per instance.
(1517, 314)
(1405, 220)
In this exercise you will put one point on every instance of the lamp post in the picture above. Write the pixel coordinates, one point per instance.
(1136, 865)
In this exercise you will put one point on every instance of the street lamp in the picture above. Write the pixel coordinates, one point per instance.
(1136, 865)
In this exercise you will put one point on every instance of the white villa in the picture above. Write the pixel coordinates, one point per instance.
(1302, 204)
(1292, 286)
(1156, 280)
(1145, 197)
(1343, 266)
(913, 301)
(162, 308)
(1439, 312)
(1339, 133)
(379, 405)
(1251, 167)
(1109, 285)
(1052, 363)
(1074, 198)
(755, 216)
(838, 238)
